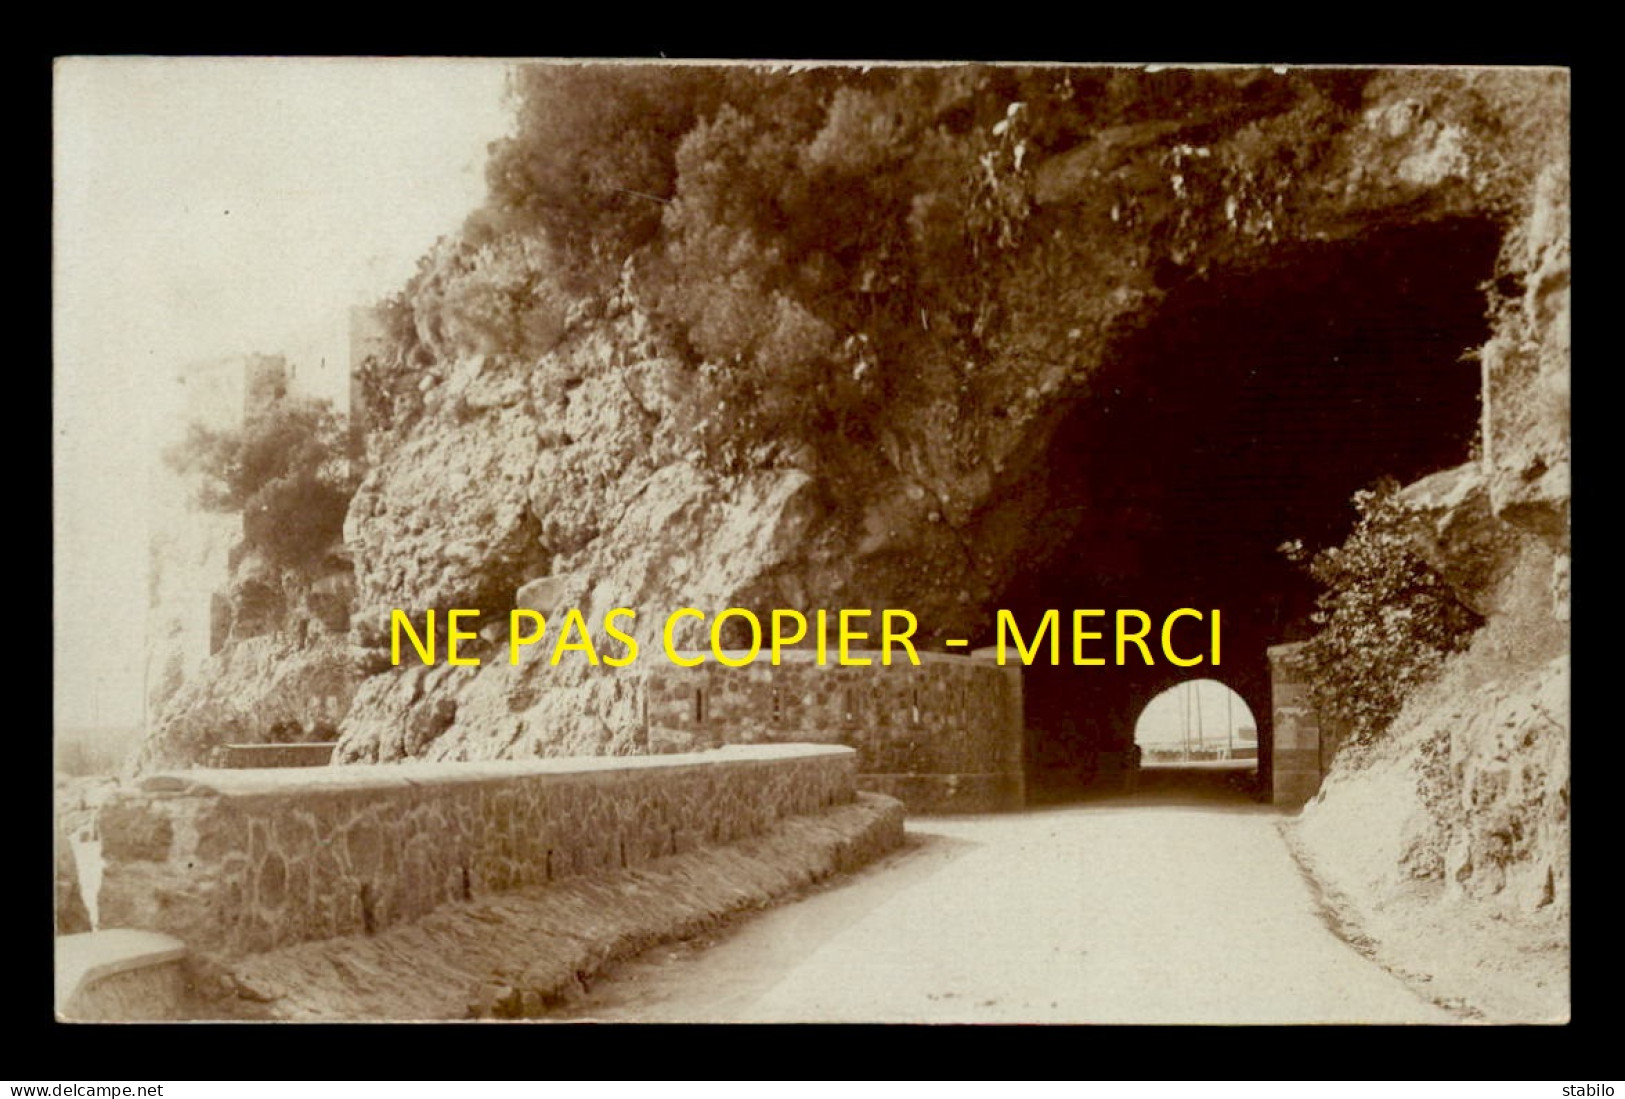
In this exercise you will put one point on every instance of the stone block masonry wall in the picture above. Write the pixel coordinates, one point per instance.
(234, 862)
(247, 756)
(943, 736)
(1298, 759)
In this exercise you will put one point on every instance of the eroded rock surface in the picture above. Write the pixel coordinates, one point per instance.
(576, 467)
(1471, 788)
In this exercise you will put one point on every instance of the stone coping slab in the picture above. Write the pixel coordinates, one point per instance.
(387, 776)
(90, 956)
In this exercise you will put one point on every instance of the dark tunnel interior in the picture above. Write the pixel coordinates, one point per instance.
(1245, 414)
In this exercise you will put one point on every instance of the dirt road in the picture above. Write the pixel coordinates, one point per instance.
(1180, 904)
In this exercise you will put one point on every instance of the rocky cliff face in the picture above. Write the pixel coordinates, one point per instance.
(563, 478)
(188, 560)
(1471, 788)
(283, 669)
(573, 473)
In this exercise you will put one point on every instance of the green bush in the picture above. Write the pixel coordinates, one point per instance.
(1389, 620)
(825, 242)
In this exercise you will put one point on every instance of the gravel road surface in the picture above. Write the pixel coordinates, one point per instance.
(1179, 904)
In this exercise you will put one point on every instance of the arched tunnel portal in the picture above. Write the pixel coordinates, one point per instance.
(1243, 415)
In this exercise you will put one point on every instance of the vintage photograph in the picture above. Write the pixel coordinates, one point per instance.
(641, 541)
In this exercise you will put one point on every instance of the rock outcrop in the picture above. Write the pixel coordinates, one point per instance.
(285, 669)
(578, 477)
(577, 468)
(1470, 789)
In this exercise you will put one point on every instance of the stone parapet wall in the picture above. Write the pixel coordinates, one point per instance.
(941, 736)
(236, 862)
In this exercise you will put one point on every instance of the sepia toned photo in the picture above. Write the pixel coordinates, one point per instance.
(657, 541)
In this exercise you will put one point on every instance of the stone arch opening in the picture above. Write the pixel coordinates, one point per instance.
(1198, 721)
(1243, 414)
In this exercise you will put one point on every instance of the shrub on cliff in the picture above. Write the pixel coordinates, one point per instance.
(285, 470)
(821, 242)
(1389, 620)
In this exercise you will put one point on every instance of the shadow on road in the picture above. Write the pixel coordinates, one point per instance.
(1210, 787)
(745, 954)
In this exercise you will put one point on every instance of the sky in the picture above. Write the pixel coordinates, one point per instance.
(205, 208)
(1164, 720)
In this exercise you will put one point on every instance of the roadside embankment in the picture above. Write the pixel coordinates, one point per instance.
(518, 954)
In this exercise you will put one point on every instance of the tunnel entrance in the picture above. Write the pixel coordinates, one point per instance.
(1197, 723)
(1245, 414)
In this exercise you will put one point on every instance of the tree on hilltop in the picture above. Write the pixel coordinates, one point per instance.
(286, 471)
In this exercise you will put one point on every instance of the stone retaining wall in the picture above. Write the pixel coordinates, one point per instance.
(941, 736)
(236, 862)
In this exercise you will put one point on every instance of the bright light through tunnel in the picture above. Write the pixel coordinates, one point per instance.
(1200, 721)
